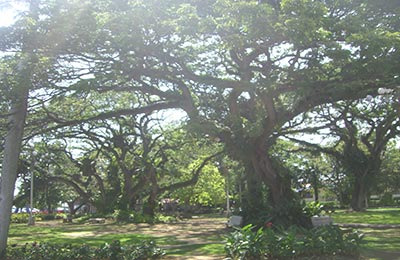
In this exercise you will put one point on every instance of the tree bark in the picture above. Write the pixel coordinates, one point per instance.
(286, 208)
(359, 194)
(279, 187)
(15, 131)
(12, 148)
(315, 184)
(151, 204)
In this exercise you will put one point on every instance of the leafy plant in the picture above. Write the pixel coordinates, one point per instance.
(19, 218)
(387, 200)
(122, 215)
(48, 216)
(112, 251)
(147, 250)
(244, 243)
(281, 243)
(321, 241)
(328, 207)
(313, 209)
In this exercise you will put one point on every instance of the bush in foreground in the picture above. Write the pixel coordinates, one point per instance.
(113, 251)
(292, 243)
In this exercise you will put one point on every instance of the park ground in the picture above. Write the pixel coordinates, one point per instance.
(202, 237)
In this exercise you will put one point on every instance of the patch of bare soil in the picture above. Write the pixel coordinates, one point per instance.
(187, 234)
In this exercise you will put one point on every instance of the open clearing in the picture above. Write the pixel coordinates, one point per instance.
(199, 238)
(196, 238)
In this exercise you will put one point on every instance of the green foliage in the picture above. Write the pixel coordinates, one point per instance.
(20, 218)
(48, 216)
(160, 218)
(279, 243)
(321, 241)
(112, 251)
(23, 217)
(209, 190)
(290, 213)
(387, 200)
(142, 56)
(244, 243)
(389, 178)
(121, 215)
(138, 217)
(313, 209)
(129, 216)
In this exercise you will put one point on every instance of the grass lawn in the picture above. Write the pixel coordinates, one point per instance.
(371, 216)
(196, 237)
(203, 236)
(69, 234)
(382, 244)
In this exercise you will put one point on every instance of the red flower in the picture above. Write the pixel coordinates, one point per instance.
(268, 224)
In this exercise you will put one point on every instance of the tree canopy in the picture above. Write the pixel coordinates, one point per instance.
(240, 71)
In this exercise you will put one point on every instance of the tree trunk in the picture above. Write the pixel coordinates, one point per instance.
(315, 185)
(15, 124)
(254, 200)
(359, 194)
(12, 148)
(149, 208)
(286, 207)
(150, 205)
(127, 193)
(279, 187)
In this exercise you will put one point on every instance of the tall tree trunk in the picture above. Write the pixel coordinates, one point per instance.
(15, 124)
(315, 184)
(254, 200)
(364, 174)
(286, 207)
(279, 186)
(359, 194)
(12, 148)
(127, 192)
(150, 206)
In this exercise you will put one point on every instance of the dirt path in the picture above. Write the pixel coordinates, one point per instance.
(189, 237)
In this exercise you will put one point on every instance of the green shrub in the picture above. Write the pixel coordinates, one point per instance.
(142, 218)
(293, 242)
(387, 200)
(244, 243)
(146, 250)
(160, 218)
(313, 209)
(127, 216)
(122, 215)
(329, 207)
(290, 213)
(19, 218)
(113, 251)
(48, 216)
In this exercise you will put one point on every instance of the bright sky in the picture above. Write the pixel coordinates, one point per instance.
(8, 11)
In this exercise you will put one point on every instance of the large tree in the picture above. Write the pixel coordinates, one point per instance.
(249, 68)
(51, 52)
(236, 80)
(359, 132)
(389, 177)
(17, 89)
